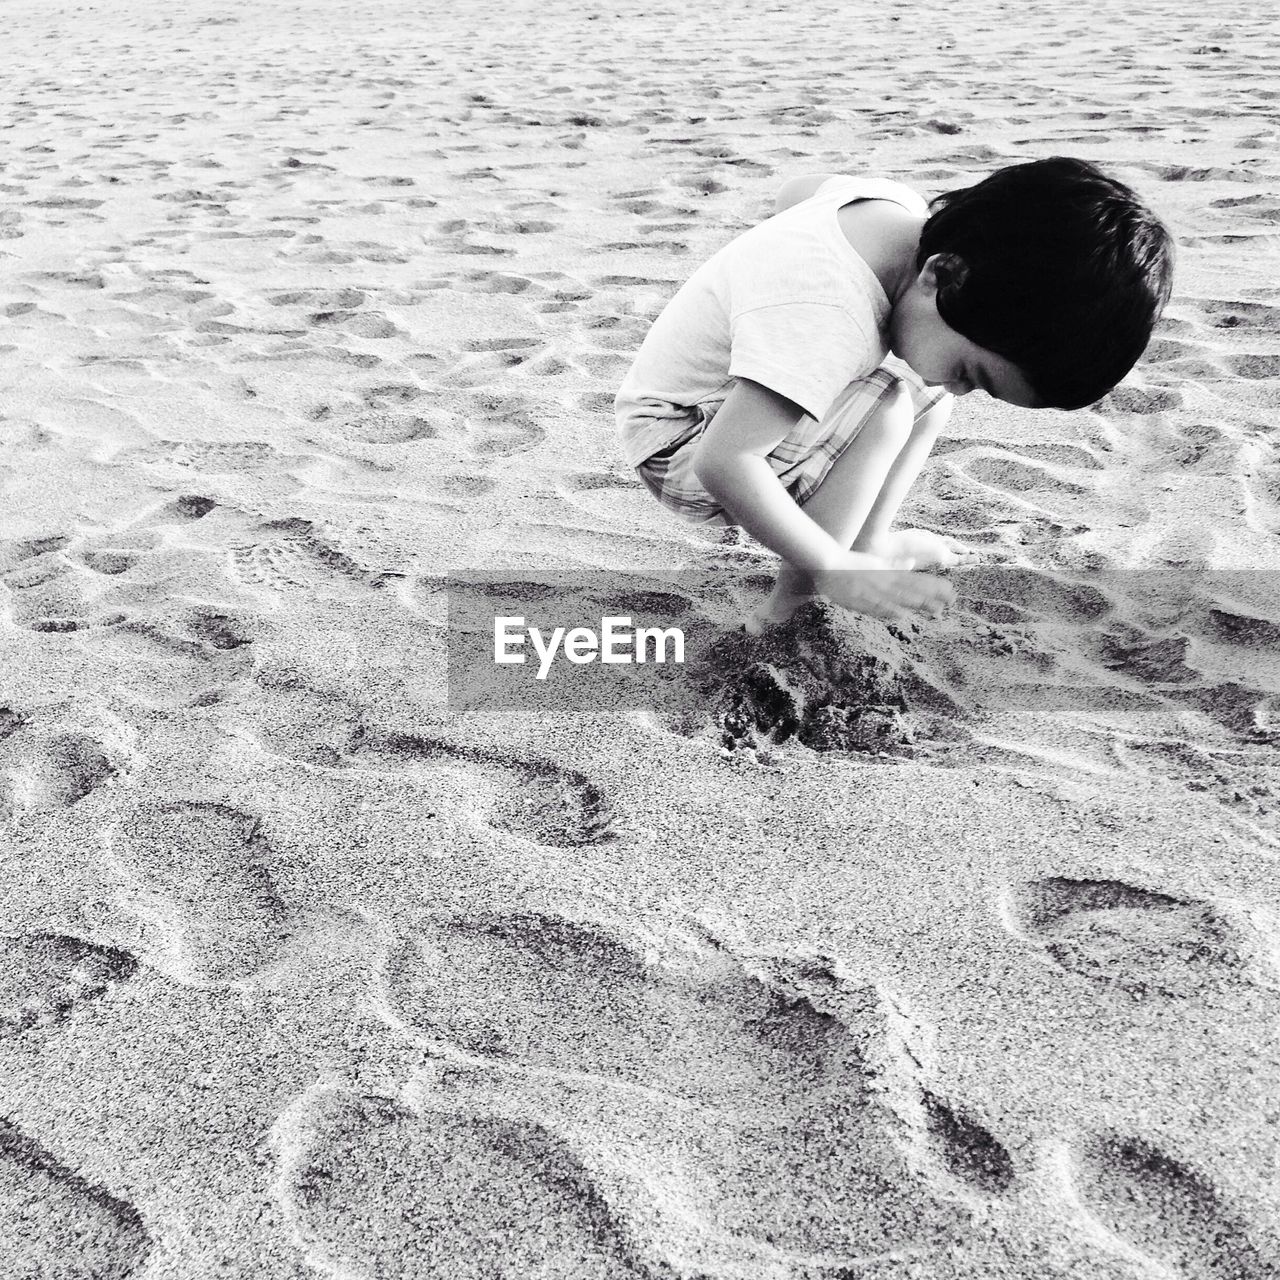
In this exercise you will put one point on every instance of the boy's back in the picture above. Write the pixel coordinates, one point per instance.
(789, 304)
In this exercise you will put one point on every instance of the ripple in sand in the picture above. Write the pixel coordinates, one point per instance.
(1169, 1211)
(69, 1226)
(1135, 940)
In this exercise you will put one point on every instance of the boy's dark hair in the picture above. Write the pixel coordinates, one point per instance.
(1062, 270)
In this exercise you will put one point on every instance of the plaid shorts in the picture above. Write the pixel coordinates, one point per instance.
(801, 461)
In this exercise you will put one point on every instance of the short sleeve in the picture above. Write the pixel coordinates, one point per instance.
(806, 351)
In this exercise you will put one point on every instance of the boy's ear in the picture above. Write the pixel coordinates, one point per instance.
(944, 270)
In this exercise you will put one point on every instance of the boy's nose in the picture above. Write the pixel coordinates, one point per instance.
(957, 388)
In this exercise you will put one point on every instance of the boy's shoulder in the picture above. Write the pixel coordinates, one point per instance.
(885, 235)
(823, 217)
(840, 242)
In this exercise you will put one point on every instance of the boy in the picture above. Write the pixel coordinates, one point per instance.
(765, 394)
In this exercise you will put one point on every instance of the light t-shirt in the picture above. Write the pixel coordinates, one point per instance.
(789, 304)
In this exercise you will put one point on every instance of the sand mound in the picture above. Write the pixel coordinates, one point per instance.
(828, 678)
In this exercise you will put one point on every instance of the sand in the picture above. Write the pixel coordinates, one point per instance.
(305, 975)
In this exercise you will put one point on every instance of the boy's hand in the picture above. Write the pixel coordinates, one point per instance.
(920, 549)
(866, 584)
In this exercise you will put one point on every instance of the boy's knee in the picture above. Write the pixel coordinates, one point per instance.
(936, 414)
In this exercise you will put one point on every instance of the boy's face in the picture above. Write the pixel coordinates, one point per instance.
(943, 357)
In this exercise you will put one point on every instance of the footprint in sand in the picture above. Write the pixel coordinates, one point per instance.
(212, 457)
(198, 884)
(333, 300)
(112, 560)
(1169, 1211)
(47, 766)
(496, 282)
(533, 799)
(1026, 592)
(500, 425)
(389, 427)
(113, 553)
(1014, 476)
(1259, 206)
(387, 395)
(46, 977)
(516, 346)
(376, 1189)
(967, 1150)
(179, 655)
(536, 800)
(1254, 367)
(1238, 314)
(188, 506)
(579, 482)
(600, 402)
(771, 1104)
(487, 363)
(70, 1227)
(1142, 400)
(1246, 778)
(201, 632)
(361, 324)
(1243, 630)
(295, 721)
(390, 413)
(44, 592)
(293, 552)
(1143, 943)
(1151, 659)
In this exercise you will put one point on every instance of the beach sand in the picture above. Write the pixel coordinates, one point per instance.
(303, 975)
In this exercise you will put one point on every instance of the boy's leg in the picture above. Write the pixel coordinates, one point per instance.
(858, 497)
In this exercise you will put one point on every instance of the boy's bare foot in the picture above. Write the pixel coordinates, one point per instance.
(775, 610)
(790, 591)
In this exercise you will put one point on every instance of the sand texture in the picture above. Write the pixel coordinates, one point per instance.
(961, 969)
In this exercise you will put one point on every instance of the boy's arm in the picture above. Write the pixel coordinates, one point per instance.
(731, 465)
